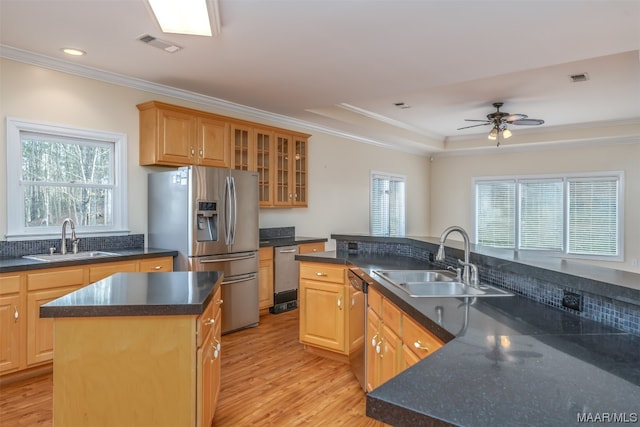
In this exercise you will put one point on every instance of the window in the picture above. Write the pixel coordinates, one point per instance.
(387, 210)
(572, 215)
(56, 172)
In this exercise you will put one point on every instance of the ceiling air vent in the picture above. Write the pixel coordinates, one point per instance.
(582, 77)
(160, 44)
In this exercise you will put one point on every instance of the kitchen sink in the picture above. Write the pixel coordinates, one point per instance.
(69, 256)
(436, 283)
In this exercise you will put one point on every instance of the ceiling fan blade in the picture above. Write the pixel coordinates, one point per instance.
(527, 122)
(513, 117)
(472, 120)
(473, 126)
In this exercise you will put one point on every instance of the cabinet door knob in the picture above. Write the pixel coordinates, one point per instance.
(209, 321)
(15, 314)
(340, 303)
(420, 346)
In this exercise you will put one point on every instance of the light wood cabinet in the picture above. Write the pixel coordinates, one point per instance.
(265, 278)
(44, 286)
(208, 361)
(156, 265)
(27, 339)
(100, 271)
(306, 248)
(177, 136)
(171, 135)
(290, 170)
(395, 340)
(324, 307)
(12, 321)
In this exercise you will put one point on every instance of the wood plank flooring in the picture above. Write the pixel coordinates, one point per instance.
(268, 379)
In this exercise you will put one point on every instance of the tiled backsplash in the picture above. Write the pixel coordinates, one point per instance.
(277, 232)
(607, 311)
(32, 247)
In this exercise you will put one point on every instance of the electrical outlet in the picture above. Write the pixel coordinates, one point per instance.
(572, 300)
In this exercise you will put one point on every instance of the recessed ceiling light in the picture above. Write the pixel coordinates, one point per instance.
(73, 52)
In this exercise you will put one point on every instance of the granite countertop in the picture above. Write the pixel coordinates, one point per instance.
(289, 241)
(138, 294)
(507, 361)
(22, 264)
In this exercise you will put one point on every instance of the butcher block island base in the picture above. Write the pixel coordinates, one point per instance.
(138, 349)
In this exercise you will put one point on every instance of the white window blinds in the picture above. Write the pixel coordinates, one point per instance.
(387, 210)
(541, 215)
(573, 215)
(593, 216)
(495, 214)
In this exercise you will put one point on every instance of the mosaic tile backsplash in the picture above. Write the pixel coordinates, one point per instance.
(32, 247)
(607, 311)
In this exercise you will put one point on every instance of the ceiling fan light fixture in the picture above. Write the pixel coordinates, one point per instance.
(493, 135)
(506, 133)
(192, 17)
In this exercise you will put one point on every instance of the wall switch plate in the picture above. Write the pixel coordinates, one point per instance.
(572, 300)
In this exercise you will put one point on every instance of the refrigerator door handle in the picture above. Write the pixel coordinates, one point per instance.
(239, 279)
(226, 259)
(235, 210)
(227, 211)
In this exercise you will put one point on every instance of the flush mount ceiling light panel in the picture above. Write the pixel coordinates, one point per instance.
(499, 121)
(193, 17)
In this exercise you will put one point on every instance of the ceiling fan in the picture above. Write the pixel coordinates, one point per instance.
(499, 120)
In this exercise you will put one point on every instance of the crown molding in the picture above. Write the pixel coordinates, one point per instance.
(144, 85)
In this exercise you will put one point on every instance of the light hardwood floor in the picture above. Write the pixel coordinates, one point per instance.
(268, 379)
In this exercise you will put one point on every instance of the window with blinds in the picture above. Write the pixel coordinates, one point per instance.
(572, 215)
(387, 210)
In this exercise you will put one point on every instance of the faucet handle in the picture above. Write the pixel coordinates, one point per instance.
(75, 242)
(458, 271)
(474, 279)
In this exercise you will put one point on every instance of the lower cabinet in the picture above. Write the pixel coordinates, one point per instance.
(208, 362)
(395, 340)
(28, 337)
(265, 278)
(12, 331)
(138, 370)
(325, 308)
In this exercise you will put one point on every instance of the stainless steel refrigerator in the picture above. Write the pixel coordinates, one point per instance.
(210, 216)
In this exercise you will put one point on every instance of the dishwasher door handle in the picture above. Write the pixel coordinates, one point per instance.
(288, 251)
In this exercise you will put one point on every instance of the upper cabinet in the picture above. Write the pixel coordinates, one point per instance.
(176, 136)
(290, 170)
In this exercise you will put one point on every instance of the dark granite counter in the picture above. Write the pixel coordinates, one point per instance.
(138, 294)
(289, 241)
(507, 361)
(22, 264)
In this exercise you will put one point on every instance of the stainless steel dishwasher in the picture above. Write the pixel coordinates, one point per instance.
(285, 295)
(357, 323)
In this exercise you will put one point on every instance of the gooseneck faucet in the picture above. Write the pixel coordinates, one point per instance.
(470, 278)
(74, 239)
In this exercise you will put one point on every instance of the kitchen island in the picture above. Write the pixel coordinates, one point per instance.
(506, 360)
(137, 349)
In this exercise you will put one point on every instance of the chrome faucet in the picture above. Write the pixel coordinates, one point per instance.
(74, 239)
(467, 277)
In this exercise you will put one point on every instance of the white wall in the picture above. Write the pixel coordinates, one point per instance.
(451, 187)
(338, 168)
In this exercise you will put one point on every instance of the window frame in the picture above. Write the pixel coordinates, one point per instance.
(565, 178)
(391, 176)
(15, 190)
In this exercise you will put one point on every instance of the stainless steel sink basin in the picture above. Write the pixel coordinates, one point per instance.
(69, 256)
(436, 284)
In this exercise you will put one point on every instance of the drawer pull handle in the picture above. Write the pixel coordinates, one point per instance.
(321, 274)
(340, 303)
(157, 267)
(419, 346)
